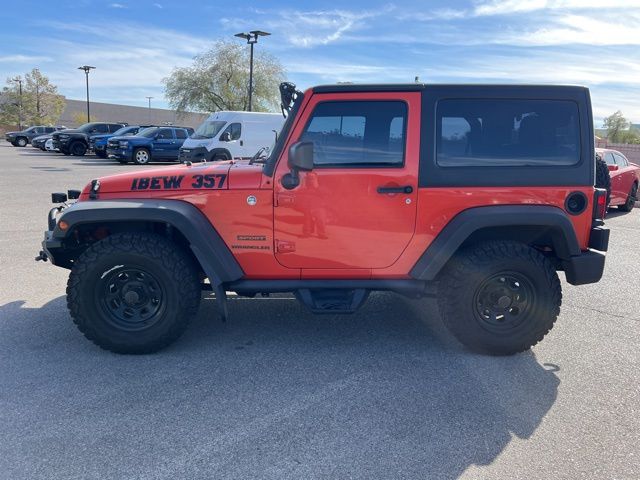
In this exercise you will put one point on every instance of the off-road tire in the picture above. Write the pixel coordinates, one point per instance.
(603, 178)
(77, 149)
(534, 306)
(21, 142)
(631, 199)
(177, 291)
(138, 156)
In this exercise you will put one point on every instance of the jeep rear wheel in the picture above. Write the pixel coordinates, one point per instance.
(631, 199)
(133, 293)
(21, 142)
(499, 298)
(141, 156)
(78, 149)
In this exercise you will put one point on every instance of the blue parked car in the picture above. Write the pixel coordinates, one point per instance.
(98, 143)
(150, 144)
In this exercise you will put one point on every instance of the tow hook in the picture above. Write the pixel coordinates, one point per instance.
(42, 256)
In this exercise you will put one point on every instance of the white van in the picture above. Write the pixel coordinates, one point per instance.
(227, 135)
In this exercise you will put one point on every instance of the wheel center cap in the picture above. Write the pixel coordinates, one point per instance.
(131, 297)
(504, 301)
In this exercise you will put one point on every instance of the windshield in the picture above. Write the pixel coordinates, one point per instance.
(208, 129)
(30, 129)
(87, 127)
(125, 131)
(147, 132)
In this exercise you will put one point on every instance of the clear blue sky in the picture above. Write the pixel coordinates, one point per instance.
(135, 43)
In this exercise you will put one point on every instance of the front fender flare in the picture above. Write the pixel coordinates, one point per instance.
(207, 245)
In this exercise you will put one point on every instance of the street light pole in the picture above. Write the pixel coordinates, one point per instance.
(251, 38)
(149, 98)
(86, 69)
(18, 80)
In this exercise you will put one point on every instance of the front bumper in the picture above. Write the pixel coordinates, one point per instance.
(197, 154)
(120, 153)
(588, 267)
(61, 144)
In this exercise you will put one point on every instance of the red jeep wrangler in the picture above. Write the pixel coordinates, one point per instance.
(474, 194)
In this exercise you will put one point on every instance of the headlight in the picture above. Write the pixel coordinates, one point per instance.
(123, 143)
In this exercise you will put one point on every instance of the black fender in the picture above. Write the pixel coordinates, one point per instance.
(553, 221)
(214, 256)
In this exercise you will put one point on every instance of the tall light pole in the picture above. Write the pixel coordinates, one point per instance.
(86, 69)
(251, 38)
(18, 80)
(149, 98)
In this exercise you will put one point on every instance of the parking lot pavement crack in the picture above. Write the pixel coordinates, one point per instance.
(602, 312)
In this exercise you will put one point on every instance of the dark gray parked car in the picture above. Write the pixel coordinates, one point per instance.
(24, 137)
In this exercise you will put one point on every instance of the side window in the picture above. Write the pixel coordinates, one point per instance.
(358, 133)
(101, 128)
(608, 158)
(113, 128)
(50, 129)
(164, 134)
(181, 134)
(507, 132)
(620, 160)
(234, 129)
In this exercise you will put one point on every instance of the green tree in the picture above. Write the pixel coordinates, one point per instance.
(218, 79)
(10, 104)
(615, 125)
(43, 104)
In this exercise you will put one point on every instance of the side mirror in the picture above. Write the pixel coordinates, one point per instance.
(225, 137)
(613, 168)
(300, 159)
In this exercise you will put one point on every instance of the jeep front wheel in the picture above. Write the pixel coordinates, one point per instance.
(133, 293)
(499, 298)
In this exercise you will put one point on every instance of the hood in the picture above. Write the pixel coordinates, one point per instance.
(165, 181)
(101, 136)
(120, 137)
(69, 130)
(197, 142)
(10, 133)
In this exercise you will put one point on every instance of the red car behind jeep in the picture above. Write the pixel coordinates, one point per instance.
(475, 194)
(625, 177)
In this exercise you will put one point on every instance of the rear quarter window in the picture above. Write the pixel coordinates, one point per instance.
(507, 132)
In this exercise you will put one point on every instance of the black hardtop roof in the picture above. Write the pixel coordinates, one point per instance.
(416, 87)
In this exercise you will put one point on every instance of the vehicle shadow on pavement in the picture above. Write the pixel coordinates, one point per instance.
(273, 393)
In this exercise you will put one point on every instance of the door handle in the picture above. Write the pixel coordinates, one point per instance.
(405, 189)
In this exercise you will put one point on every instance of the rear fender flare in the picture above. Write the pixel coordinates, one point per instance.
(552, 220)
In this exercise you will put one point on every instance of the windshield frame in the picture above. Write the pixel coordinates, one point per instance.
(152, 130)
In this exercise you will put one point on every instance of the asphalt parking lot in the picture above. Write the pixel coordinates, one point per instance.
(279, 393)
